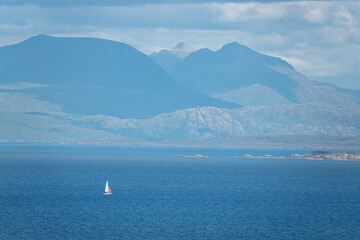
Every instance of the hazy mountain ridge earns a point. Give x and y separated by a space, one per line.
353 94
232 67
19 102
95 76
236 73
24 118
60 97
309 92
210 122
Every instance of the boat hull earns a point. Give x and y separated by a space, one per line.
107 193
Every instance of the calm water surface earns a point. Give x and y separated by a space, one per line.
55 192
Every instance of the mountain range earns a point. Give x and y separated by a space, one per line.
95 76
75 90
240 75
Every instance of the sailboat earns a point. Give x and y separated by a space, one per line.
107 188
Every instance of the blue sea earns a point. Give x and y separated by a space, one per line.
56 192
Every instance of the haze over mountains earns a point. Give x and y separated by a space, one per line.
96 76
93 90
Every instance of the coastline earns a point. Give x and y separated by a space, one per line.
316 155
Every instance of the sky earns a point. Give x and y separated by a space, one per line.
321 39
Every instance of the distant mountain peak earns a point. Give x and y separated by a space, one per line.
235 46
182 50
167 59
233 67
40 36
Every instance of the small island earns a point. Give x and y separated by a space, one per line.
196 155
316 155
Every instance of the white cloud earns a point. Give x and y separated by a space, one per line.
315 15
235 12
322 62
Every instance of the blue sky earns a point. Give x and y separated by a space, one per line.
320 38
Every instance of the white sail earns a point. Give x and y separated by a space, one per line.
107 186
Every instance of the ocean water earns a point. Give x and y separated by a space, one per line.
56 192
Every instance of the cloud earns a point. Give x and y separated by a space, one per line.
235 12
21 85
67 3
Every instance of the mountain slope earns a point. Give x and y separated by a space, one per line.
211 122
235 71
232 67
95 76
353 94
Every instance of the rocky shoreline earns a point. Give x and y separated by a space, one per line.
316 155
